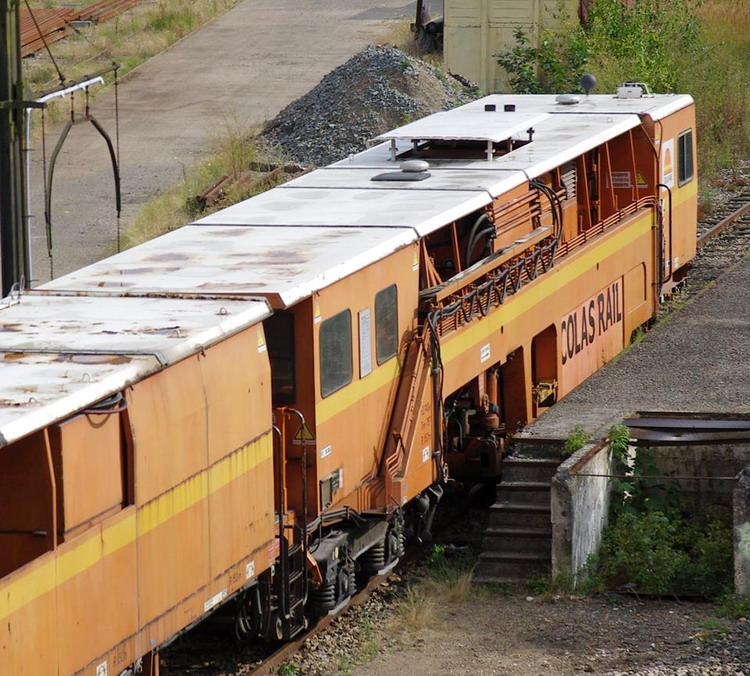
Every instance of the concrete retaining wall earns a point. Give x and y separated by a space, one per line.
580 501
580 505
714 467
742 533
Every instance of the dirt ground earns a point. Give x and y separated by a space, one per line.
511 635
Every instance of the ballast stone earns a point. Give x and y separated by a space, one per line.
376 90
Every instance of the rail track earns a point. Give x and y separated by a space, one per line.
208 649
723 241
43 26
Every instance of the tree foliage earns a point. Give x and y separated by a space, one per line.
645 41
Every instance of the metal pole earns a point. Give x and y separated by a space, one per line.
14 244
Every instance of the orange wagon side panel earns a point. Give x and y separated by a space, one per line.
546 300
28 624
352 422
679 231
88 459
167 413
172 550
236 379
96 577
241 513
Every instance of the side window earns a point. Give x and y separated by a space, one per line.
386 323
685 151
335 352
279 330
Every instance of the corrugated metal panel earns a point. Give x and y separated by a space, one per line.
463 13
512 11
471 52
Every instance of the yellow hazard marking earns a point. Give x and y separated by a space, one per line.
640 180
304 434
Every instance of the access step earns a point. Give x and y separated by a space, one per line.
510 567
510 514
518 540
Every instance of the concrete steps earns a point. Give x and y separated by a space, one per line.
518 540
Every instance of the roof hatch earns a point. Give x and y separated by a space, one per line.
469 132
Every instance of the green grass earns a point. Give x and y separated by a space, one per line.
233 149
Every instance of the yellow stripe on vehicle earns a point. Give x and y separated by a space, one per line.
57 569
453 345
356 391
528 298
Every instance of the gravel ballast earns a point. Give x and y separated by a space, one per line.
373 92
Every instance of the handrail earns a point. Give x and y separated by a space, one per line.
462 298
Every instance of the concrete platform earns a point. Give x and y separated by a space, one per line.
697 360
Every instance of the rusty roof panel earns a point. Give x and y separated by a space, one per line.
290 263
60 354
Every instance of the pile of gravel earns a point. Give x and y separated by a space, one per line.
376 90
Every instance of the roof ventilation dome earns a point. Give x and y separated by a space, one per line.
415 166
411 170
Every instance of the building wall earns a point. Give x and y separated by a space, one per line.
476 30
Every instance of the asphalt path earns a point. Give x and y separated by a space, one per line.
243 67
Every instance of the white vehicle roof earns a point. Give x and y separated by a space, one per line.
284 264
296 239
60 354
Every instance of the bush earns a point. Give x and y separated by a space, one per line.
646 41
554 66
638 550
657 554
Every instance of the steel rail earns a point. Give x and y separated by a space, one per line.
271 663
722 225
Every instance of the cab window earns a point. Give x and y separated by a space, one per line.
335 352
685 154
386 323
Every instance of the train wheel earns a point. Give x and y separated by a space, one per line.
394 541
329 598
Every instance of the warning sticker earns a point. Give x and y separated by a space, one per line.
621 179
640 180
304 435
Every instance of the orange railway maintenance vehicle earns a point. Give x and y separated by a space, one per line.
260 407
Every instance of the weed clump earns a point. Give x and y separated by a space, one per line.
653 544
576 440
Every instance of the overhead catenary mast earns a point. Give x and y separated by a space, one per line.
14 240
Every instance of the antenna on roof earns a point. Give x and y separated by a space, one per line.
587 82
